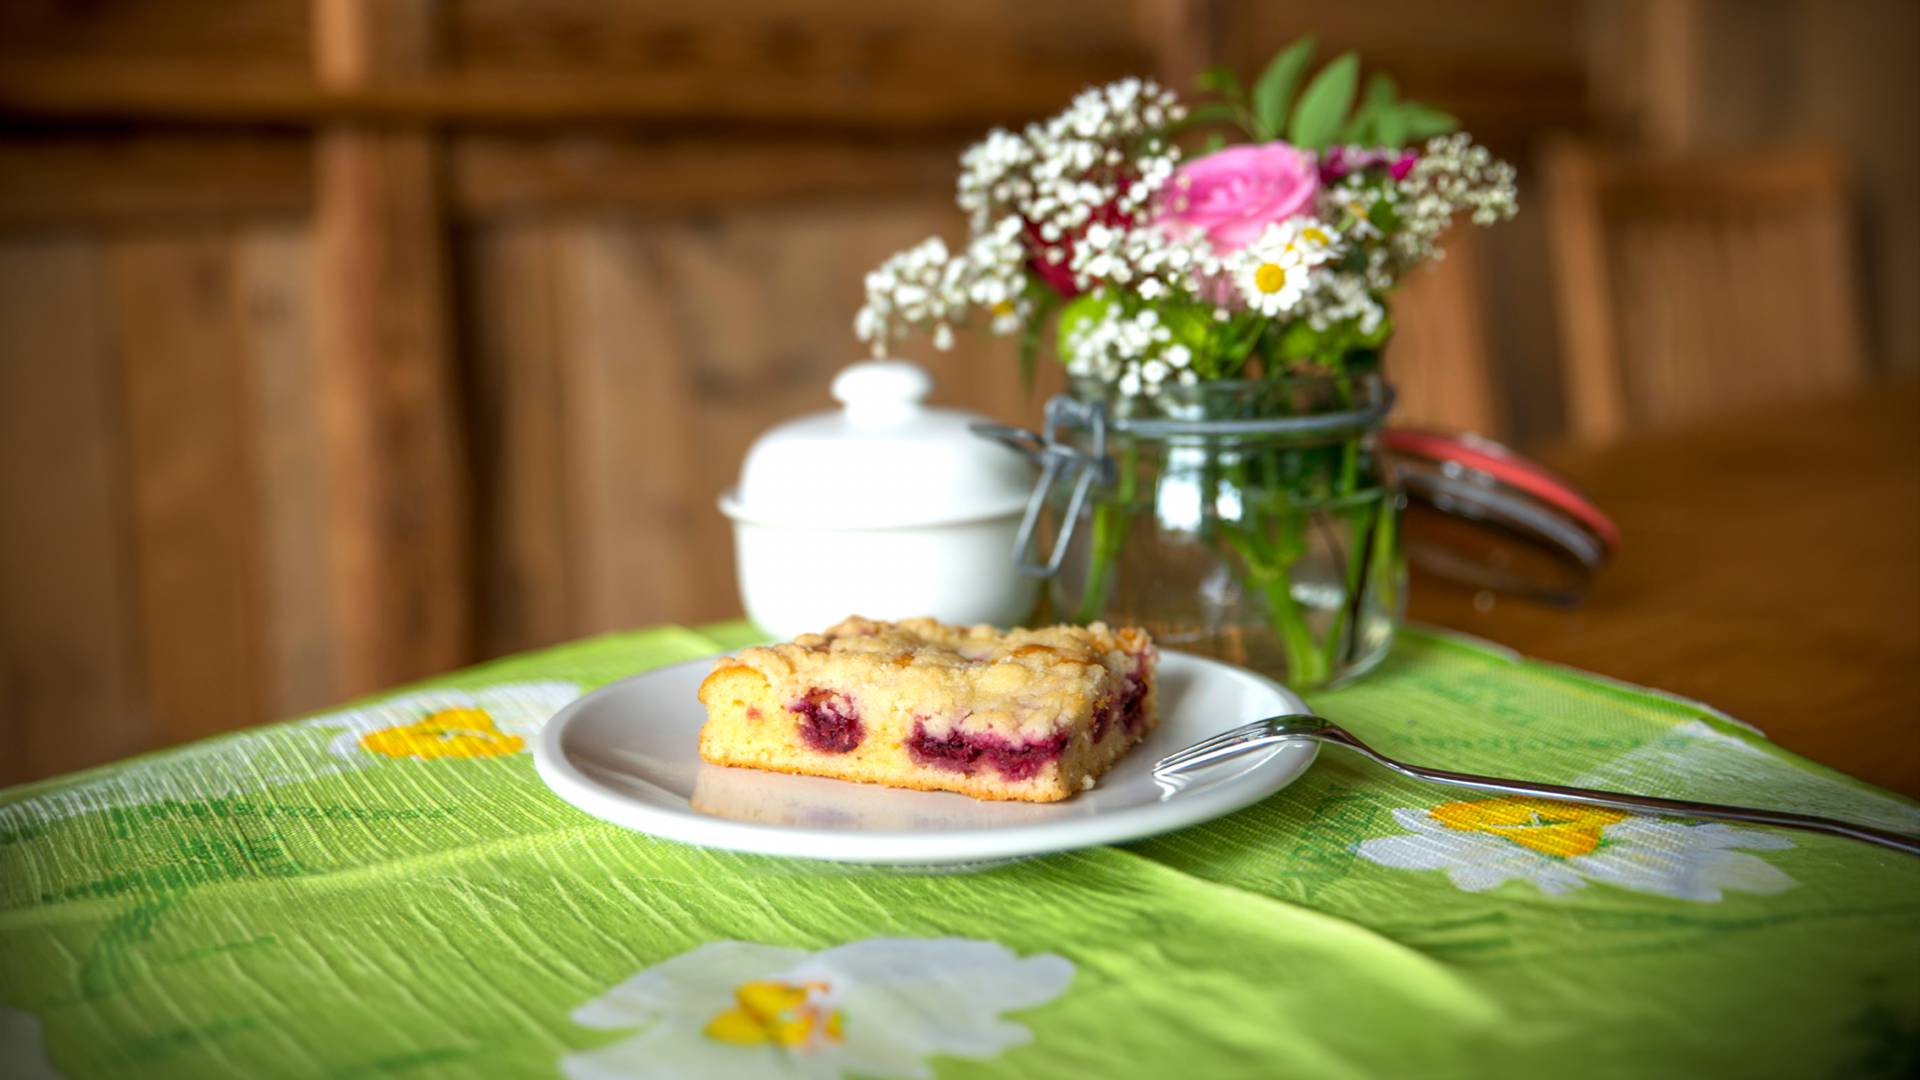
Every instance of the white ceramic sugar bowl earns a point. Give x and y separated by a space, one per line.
885 508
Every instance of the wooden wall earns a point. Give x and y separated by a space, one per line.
345 341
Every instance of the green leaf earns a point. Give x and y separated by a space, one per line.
1424 121
1273 91
1381 91
1360 130
1082 309
1324 104
1188 324
1222 81
1390 127
1364 128
1299 341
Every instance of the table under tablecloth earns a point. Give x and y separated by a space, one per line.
388 889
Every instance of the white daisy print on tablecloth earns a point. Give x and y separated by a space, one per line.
431 725
424 725
23 1047
1560 847
879 1007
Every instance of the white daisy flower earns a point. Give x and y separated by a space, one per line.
1273 273
879 1007
1560 847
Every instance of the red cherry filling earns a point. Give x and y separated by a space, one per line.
828 722
1133 706
964 752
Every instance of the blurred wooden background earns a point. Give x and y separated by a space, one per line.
346 341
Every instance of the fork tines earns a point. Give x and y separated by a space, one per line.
1206 748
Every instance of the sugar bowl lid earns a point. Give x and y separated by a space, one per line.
885 459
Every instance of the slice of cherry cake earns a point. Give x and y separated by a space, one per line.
1035 715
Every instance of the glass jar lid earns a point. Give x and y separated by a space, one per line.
885 459
1480 514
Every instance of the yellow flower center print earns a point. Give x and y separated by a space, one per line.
1542 825
764 1011
1270 277
459 732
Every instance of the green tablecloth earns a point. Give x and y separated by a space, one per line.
389 890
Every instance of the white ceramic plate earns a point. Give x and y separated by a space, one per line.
627 753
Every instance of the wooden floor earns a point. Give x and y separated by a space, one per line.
1770 568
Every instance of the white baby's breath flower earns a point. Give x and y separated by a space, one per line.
926 287
1452 176
1152 263
1131 351
1343 297
1105 154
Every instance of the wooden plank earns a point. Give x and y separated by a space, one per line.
139 178
400 531
530 581
194 493
644 534
961 90
1668 271
69 695
146 178
273 273
149 30
493 173
1185 36
1438 358
1596 400
857 41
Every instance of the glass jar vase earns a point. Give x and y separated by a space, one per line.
1251 521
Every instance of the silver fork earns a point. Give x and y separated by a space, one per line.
1275 729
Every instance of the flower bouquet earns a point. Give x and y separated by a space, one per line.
1221 317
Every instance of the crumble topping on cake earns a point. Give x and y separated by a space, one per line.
1015 684
1030 714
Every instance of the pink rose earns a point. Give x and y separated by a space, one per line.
1233 194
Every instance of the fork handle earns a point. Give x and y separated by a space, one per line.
1620 800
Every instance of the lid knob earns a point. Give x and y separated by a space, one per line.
879 392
